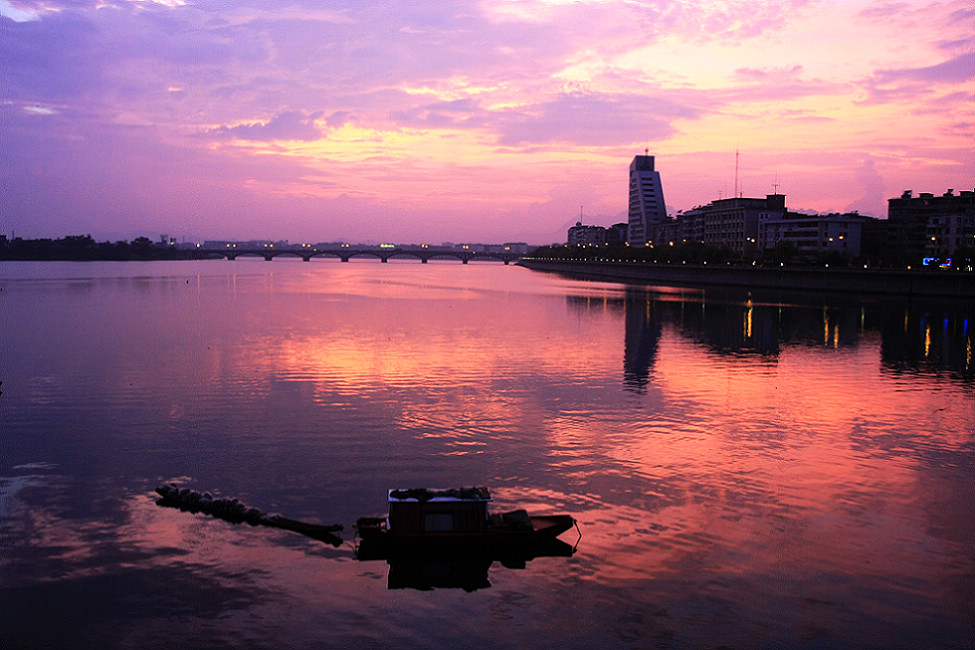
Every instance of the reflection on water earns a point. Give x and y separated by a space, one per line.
934 339
747 470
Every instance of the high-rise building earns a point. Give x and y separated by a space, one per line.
646 199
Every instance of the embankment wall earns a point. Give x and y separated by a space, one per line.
928 282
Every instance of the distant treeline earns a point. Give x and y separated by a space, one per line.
85 248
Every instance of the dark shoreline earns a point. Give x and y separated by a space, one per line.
928 283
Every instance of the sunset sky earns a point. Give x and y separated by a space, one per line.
488 121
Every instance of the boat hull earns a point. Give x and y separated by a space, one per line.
536 538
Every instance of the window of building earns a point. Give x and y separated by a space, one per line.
439 522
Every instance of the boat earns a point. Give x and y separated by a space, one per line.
423 519
431 539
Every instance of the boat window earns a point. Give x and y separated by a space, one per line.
438 522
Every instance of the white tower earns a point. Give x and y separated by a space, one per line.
646 199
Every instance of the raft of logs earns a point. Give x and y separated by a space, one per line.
236 512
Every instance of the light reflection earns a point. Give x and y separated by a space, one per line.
748 319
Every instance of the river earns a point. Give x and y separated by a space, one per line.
746 471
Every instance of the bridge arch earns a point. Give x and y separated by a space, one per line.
345 254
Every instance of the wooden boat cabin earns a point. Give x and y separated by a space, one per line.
436 513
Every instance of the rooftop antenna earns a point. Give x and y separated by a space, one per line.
646 151
736 171
775 184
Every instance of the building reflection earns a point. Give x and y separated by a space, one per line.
929 340
915 337
643 329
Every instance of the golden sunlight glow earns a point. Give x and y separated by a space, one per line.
823 106
360 162
454 88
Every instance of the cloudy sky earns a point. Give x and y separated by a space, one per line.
466 120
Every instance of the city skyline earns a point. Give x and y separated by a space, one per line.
473 121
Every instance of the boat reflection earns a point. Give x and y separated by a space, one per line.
449 538
460 568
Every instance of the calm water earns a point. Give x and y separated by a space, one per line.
747 472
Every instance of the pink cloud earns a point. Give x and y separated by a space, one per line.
874 189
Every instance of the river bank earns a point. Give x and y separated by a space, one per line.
927 283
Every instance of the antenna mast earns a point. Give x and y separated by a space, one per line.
736 171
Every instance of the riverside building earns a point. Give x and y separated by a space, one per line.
827 233
584 235
733 224
928 225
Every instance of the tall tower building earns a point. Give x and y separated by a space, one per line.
646 199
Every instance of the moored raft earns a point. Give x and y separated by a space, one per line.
232 510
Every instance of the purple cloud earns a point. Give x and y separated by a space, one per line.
338 119
761 85
769 74
236 64
290 125
461 113
959 44
570 118
588 119
884 10
54 60
956 70
891 85
963 16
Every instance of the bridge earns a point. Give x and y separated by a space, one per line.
423 253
